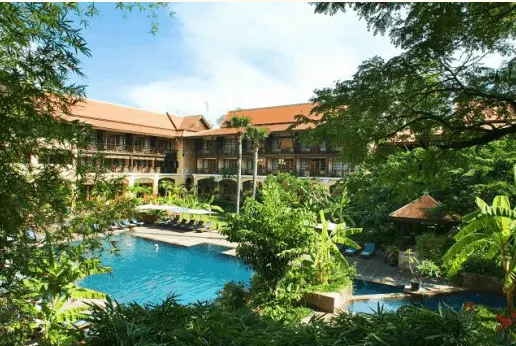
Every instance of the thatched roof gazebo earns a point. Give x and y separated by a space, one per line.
420 215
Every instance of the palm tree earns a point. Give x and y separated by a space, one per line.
256 135
240 123
493 226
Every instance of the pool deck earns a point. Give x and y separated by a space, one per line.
181 238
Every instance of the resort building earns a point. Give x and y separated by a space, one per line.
148 147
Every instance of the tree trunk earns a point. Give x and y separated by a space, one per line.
255 170
239 173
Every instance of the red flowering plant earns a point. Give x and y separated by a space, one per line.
506 328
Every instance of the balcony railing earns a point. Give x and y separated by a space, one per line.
329 173
128 149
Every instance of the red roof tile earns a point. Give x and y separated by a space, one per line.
272 115
417 210
225 131
125 119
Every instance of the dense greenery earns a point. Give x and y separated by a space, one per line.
492 226
216 324
379 188
276 237
40 51
440 83
430 246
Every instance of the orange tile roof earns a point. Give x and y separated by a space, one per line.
272 115
193 123
225 131
417 209
125 119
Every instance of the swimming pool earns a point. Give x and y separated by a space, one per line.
455 301
144 275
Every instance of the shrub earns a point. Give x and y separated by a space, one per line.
233 295
211 324
481 264
431 246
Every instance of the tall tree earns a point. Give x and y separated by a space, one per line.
241 124
441 83
256 135
41 45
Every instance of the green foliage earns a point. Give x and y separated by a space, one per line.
428 269
256 135
213 324
40 51
479 263
233 295
277 239
379 188
441 81
430 246
492 226
392 254
271 234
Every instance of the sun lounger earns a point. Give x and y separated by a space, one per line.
181 224
175 221
199 225
126 223
138 223
369 249
114 226
189 224
207 226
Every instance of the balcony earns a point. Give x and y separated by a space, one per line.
207 171
279 150
128 149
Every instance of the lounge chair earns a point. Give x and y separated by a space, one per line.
164 222
114 226
199 225
126 223
189 224
129 222
181 224
369 249
207 226
121 225
175 221
138 223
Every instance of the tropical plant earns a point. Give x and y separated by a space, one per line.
52 282
240 123
327 259
392 254
40 51
428 269
214 324
494 226
338 208
256 135
430 246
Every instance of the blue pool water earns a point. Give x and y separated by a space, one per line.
361 287
455 301
144 275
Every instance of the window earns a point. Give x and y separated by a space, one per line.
338 166
283 165
164 144
142 142
230 164
229 147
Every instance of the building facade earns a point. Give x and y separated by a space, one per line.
147 147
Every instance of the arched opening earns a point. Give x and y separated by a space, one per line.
227 189
143 187
189 183
165 186
207 186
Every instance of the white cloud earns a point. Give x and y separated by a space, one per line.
258 54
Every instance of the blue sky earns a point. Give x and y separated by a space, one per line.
229 55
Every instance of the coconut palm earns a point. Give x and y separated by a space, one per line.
493 226
256 135
240 123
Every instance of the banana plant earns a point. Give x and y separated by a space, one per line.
492 225
327 251
52 282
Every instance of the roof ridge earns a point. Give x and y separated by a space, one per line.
121 122
287 105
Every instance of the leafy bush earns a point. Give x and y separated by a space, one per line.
479 263
431 246
211 324
233 295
